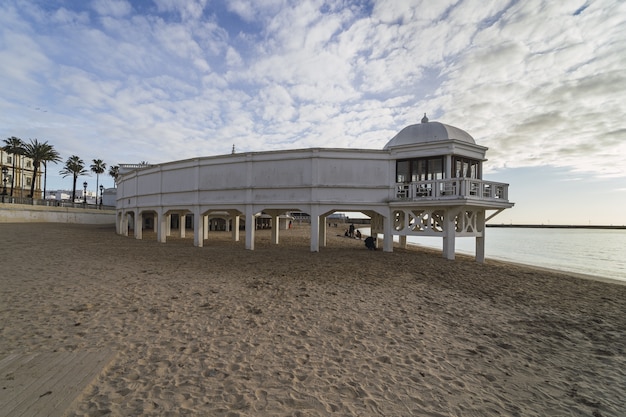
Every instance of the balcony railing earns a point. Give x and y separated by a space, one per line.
455 188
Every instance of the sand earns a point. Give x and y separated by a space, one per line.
281 331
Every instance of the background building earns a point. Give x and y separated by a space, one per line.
18 182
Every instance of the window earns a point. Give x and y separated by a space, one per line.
28 164
29 181
420 169
9 159
402 171
466 168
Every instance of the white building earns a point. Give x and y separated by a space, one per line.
426 181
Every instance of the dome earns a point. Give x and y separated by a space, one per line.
428 132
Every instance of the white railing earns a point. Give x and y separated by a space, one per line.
453 188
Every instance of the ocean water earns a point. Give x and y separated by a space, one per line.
595 252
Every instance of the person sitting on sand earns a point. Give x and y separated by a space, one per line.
358 234
370 243
346 234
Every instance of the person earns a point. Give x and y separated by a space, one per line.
370 243
358 234
347 233
351 230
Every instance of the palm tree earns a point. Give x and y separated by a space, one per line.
98 167
114 171
14 146
40 152
73 166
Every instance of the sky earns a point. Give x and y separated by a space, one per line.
542 84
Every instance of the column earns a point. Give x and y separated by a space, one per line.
250 226
387 231
449 234
162 221
235 231
480 239
205 227
124 225
315 229
198 228
322 231
403 242
182 219
275 227
139 226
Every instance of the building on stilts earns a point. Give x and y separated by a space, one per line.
426 181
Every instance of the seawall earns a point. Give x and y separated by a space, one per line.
23 213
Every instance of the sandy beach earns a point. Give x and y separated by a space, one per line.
281 331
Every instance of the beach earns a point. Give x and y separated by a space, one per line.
281 331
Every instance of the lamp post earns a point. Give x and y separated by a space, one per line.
85 193
5 172
101 191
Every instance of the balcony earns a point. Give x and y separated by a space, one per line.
452 189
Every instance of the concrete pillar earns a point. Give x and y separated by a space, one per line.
315 229
387 231
139 226
182 219
449 235
322 232
480 240
205 227
168 225
235 231
403 242
198 229
124 225
275 226
250 227
162 224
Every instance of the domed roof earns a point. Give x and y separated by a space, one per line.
428 132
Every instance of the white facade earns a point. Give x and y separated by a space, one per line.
433 201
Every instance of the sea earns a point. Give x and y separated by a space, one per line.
596 252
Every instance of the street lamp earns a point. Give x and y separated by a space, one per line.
85 192
101 191
5 172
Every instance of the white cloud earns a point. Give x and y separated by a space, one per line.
534 88
115 8
186 9
532 80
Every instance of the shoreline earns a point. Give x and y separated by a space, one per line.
572 274
581 275
557 226
599 278
224 331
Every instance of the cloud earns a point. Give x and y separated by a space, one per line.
186 9
536 88
539 82
115 8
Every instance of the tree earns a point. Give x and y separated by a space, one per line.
40 152
98 167
114 171
74 166
15 147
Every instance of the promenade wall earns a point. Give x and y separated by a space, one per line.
22 213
